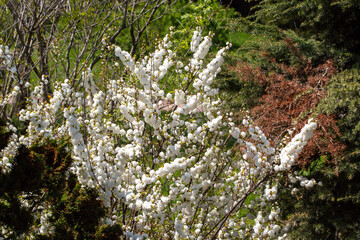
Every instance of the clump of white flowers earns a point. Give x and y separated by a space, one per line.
177 162
6 59
45 227
292 150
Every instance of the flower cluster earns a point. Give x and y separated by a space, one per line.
292 150
45 227
179 164
6 59
7 99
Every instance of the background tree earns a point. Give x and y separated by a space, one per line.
49 40
331 21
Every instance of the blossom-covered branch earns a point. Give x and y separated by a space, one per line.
172 156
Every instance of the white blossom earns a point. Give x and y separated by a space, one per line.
164 155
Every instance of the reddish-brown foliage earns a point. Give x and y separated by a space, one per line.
292 93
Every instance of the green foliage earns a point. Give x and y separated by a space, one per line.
239 93
4 135
13 215
330 211
331 21
25 174
106 232
208 14
37 171
343 100
270 40
187 15
40 177
77 214
238 38
314 166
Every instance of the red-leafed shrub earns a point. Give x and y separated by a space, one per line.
291 96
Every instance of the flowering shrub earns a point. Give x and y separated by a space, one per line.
167 163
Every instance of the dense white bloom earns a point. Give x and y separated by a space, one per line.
292 150
195 39
164 155
45 227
